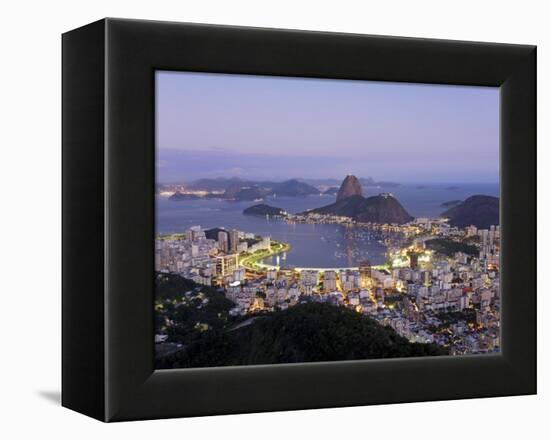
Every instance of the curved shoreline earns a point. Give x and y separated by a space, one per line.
253 263
321 269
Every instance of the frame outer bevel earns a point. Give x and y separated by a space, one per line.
83 103
133 51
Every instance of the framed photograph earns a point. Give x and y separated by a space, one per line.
262 219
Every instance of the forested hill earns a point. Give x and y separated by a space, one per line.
479 210
309 332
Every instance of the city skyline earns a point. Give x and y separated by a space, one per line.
221 125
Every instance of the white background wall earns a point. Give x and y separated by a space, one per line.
30 181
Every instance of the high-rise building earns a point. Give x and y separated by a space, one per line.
307 289
226 264
329 282
425 277
309 277
413 256
195 233
239 274
192 233
365 273
484 234
223 241
234 241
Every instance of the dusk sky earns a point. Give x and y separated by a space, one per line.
259 127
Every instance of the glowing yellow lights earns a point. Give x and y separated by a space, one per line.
201 326
399 261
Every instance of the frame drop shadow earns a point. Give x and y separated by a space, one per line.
52 396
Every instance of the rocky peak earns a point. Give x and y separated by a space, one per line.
350 187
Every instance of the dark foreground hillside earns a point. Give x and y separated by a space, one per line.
310 332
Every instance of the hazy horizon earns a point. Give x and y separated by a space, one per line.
320 180
278 128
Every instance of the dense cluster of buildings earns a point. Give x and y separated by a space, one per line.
425 296
207 261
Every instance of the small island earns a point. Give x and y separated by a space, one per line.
263 210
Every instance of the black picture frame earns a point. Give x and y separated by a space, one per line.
108 219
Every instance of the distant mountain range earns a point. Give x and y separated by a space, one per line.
219 184
479 210
365 181
247 193
237 189
332 191
293 188
223 183
179 196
